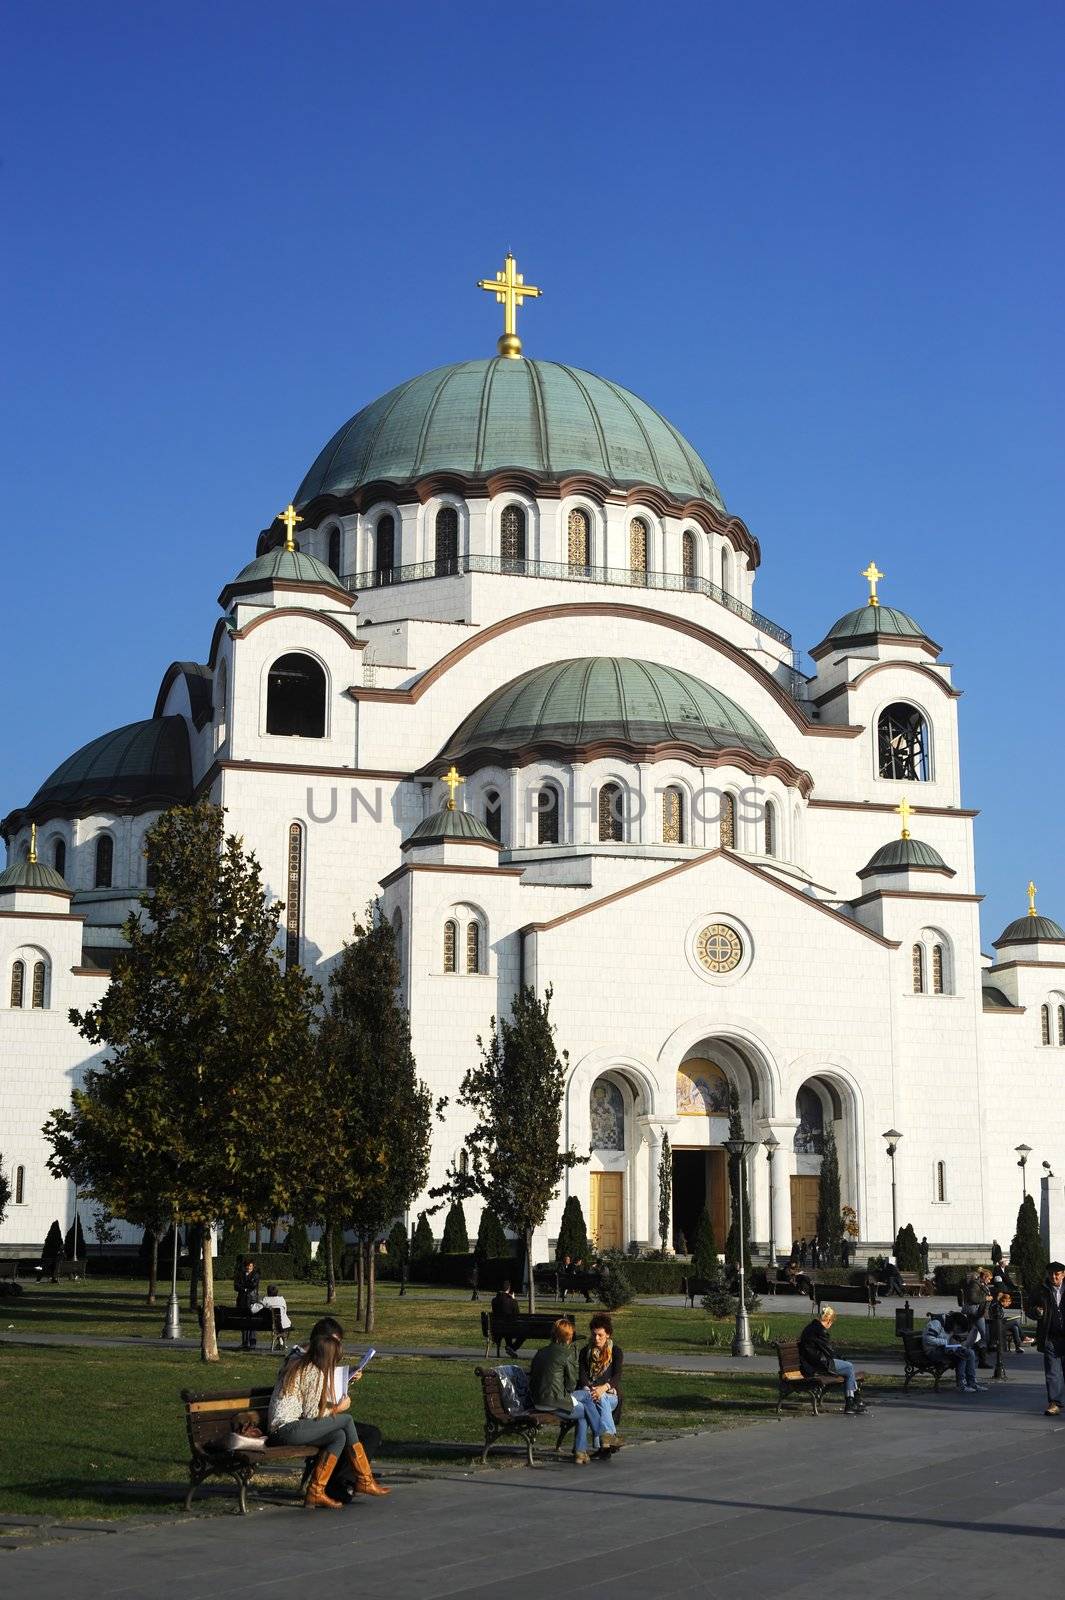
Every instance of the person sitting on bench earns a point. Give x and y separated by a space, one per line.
273 1301
553 1386
893 1283
504 1308
939 1340
599 1368
816 1356
304 1409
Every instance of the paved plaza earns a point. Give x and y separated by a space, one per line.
927 1493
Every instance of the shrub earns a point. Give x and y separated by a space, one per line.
422 1243
649 1276
456 1241
721 1302
68 1242
615 1286
52 1245
704 1252
1028 1258
298 1247
572 1233
492 1242
907 1249
397 1243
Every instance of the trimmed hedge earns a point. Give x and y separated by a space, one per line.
950 1279
455 1271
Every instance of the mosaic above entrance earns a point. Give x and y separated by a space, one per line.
702 1090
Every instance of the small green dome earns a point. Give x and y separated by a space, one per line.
142 761
595 700
33 875
899 854
479 417
867 622
1024 930
284 566
447 824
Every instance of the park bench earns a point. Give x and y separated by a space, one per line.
794 1381
227 1319
65 1269
916 1283
918 1362
553 1281
690 1287
209 1420
847 1294
781 1283
500 1424
526 1325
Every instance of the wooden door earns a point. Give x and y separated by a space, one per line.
606 1210
804 1192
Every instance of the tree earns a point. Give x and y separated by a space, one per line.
492 1242
572 1233
907 1249
1028 1257
665 1191
397 1243
208 1038
456 1241
298 1245
737 1174
74 1244
422 1243
515 1095
383 1109
829 1214
52 1249
704 1251
5 1190
104 1230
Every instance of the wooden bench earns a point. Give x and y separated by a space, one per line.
781 1283
526 1325
208 1421
499 1424
916 1283
794 1381
559 1284
847 1294
918 1362
65 1269
690 1287
227 1319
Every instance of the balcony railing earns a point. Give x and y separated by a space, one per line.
565 572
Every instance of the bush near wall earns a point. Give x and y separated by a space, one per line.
951 1278
455 1271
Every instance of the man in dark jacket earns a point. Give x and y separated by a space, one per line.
246 1284
816 1357
1049 1309
504 1309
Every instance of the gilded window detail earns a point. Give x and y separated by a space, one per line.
473 947
294 893
687 552
18 984
450 932
1061 1024
719 948
578 538
638 549
512 535
385 549
918 969
937 969
547 816
770 829
37 992
672 817
728 822
447 541
1044 1022
611 829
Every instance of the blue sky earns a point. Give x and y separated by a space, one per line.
826 240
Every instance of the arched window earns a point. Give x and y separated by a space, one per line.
493 814
334 550
221 691
464 1161
937 969
293 894
1061 1024
726 572
37 992
105 862
578 539
1044 1014
941 1181
385 549
611 819
547 815
728 822
638 550
447 541
770 823
59 856
20 1186
672 816
151 875
918 969
473 947
902 743
18 984
295 698
512 538
450 939
687 558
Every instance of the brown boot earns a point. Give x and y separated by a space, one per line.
365 1482
316 1495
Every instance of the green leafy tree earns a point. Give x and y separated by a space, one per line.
737 1174
422 1244
53 1247
829 1213
1028 1257
456 1241
103 1230
572 1233
515 1094
704 1251
492 1242
5 1190
207 1038
665 1191
907 1249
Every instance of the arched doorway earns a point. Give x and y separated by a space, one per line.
614 1103
700 1177
823 1103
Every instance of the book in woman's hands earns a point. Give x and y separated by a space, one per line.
344 1376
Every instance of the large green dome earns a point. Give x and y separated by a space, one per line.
601 704
141 763
479 417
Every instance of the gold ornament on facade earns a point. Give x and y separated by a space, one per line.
511 291
719 948
290 517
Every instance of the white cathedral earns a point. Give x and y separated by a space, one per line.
519 574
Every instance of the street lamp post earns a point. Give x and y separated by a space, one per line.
739 1150
172 1325
1022 1152
772 1145
892 1138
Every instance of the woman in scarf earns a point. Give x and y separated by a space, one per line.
599 1366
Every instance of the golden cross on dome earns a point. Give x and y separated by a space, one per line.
872 576
1031 898
905 811
452 779
510 290
290 518
33 841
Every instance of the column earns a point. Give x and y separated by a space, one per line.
783 1169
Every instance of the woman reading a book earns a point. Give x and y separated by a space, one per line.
305 1408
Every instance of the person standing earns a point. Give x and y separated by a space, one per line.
246 1284
803 1253
924 1254
1049 1310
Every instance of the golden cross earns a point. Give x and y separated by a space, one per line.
510 290
33 841
290 519
872 576
452 779
1031 899
905 811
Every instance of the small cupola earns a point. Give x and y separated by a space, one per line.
30 885
1032 937
874 626
284 567
904 863
449 835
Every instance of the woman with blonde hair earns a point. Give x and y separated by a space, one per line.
305 1409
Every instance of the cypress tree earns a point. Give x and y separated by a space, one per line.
737 1173
572 1233
704 1253
298 1245
829 1215
456 1241
492 1241
665 1191
422 1243
68 1242
907 1249
53 1246
1028 1258
398 1244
